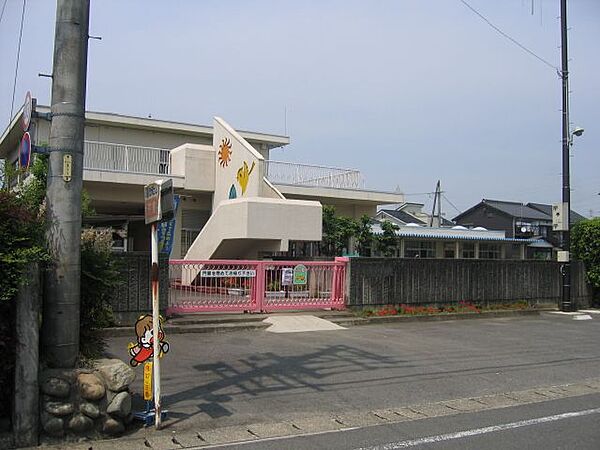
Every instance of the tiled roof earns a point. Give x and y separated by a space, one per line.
518 210
547 209
403 216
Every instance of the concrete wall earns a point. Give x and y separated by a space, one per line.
197 164
383 281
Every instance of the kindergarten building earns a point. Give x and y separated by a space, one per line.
234 201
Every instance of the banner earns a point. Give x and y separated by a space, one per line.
166 230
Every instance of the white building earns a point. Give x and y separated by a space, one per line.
235 201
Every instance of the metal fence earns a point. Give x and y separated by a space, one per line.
254 286
126 158
280 172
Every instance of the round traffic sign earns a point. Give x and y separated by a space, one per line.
27 111
25 151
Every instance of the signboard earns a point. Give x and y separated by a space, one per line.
158 201
25 151
166 231
27 112
152 203
287 276
240 273
167 201
300 274
148 381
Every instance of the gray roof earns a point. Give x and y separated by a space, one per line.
575 217
403 216
516 209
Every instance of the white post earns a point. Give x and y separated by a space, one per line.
155 326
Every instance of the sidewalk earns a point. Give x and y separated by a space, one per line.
226 322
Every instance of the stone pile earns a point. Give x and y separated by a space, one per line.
87 402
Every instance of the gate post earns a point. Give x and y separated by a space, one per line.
339 281
260 286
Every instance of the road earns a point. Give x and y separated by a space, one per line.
254 385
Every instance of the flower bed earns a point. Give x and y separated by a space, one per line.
460 307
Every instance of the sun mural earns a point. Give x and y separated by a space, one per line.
225 152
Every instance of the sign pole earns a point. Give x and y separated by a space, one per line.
155 327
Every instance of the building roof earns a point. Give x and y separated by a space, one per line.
454 234
402 216
513 209
13 132
547 209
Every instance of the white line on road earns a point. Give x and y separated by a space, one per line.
479 431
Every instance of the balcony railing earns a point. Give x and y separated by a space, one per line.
126 158
279 172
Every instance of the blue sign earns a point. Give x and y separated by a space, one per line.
166 230
25 151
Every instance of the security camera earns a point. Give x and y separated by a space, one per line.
578 131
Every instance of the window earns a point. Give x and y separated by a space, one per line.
467 250
419 249
449 249
489 251
187 239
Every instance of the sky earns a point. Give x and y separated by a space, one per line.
406 91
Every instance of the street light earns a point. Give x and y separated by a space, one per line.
577 131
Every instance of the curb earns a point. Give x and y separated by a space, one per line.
443 317
342 321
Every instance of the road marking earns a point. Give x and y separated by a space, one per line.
479 431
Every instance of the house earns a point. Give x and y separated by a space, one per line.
235 201
408 212
517 220
420 241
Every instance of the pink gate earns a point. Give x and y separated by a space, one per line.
255 286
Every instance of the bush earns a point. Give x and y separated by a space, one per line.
21 244
585 245
100 276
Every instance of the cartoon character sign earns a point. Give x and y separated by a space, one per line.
143 349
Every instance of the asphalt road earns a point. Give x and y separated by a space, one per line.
562 424
211 381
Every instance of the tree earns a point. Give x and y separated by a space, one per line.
337 231
364 235
585 245
387 241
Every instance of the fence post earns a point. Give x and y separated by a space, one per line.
26 406
260 286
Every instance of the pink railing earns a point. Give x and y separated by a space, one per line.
255 286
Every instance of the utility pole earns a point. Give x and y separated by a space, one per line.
60 327
566 304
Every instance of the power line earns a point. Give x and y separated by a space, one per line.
12 106
514 41
451 204
2 12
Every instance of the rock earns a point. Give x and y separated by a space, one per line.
112 426
58 408
54 426
90 410
80 423
116 374
90 387
120 405
56 387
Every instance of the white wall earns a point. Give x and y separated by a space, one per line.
239 168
